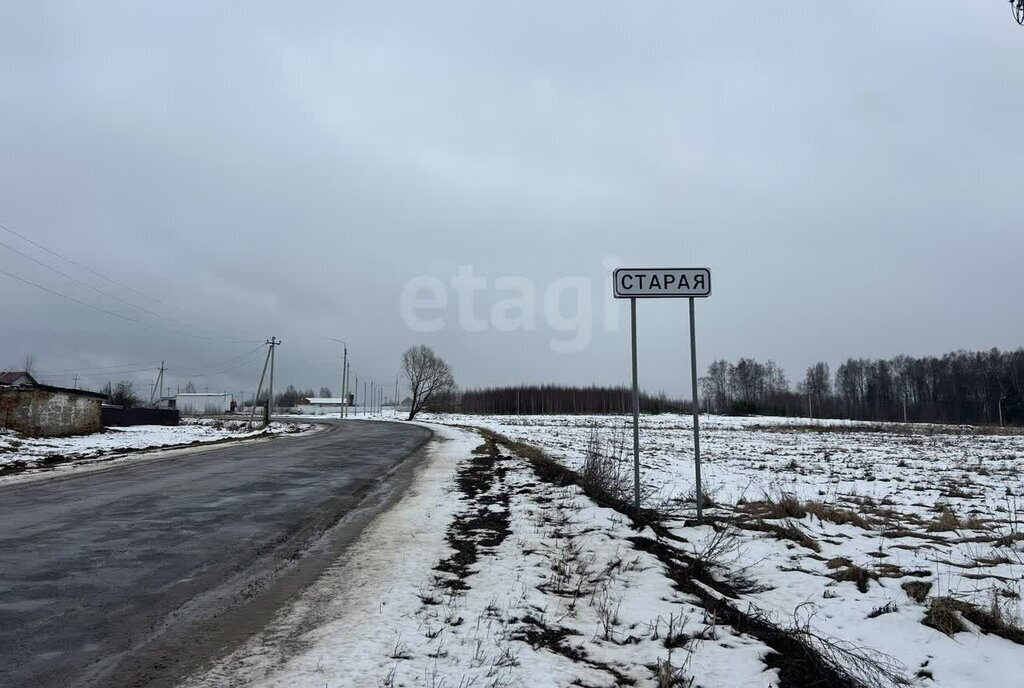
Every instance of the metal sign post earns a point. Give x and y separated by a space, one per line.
636 414
696 414
664 283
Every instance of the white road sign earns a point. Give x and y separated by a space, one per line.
663 283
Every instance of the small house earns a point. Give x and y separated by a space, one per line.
46 411
204 404
319 406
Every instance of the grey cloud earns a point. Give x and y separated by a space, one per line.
850 173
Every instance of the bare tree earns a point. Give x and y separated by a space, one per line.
817 385
716 385
124 394
430 379
325 393
190 388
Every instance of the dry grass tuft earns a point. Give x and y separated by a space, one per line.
605 471
790 532
944 616
917 590
788 506
854 574
837 515
785 506
1008 540
945 521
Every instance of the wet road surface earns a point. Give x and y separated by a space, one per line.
130 576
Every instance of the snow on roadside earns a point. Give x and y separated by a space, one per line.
18 452
485 575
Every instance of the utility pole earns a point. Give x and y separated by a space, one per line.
394 409
259 387
344 376
273 343
76 380
372 398
365 397
157 386
344 383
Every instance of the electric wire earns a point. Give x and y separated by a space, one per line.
173 321
101 276
73 299
121 316
106 367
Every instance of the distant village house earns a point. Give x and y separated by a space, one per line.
319 406
204 404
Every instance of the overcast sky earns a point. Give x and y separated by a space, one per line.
850 172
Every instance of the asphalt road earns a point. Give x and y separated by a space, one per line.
135 575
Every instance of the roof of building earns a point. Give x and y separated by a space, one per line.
28 389
323 401
10 377
204 394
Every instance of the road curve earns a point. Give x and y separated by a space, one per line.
133 575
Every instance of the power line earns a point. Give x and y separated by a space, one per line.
105 367
173 321
224 366
107 373
101 276
103 310
71 298
245 360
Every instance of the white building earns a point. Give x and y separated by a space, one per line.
204 404
319 406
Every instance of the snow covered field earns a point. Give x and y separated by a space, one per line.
838 554
19 453
862 530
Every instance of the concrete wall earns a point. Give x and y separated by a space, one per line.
44 413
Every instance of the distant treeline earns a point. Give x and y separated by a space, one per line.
958 387
545 399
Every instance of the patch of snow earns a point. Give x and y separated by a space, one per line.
27 452
554 591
